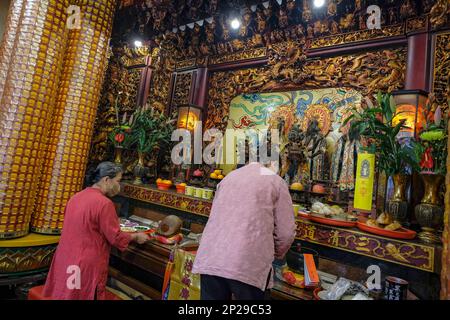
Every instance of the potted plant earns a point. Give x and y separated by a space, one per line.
378 127
150 130
430 148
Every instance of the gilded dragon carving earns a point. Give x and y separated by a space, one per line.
288 68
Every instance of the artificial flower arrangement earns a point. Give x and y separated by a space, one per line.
430 146
120 135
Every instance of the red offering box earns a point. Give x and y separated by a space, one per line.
333 222
401 233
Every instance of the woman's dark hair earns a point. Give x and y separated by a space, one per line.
104 169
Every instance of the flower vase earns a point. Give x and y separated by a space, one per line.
140 169
118 155
398 205
430 212
152 172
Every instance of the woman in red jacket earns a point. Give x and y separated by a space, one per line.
79 268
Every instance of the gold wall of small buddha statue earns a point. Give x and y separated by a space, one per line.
50 81
31 55
67 149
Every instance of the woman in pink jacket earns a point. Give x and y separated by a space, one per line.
251 224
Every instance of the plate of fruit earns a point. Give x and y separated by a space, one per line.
163 184
217 175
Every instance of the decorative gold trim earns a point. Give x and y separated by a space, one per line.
134 57
416 24
386 244
14 260
441 81
256 53
168 199
46 230
30 240
11 235
186 64
358 36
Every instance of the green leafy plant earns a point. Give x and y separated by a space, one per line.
377 125
430 146
150 128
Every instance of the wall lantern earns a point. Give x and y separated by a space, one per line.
188 116
410 106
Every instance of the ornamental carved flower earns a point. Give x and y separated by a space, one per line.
188 265
186 280
184 293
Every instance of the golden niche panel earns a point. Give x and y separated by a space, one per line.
70 138
37 37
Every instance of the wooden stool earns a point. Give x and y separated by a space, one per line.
35 293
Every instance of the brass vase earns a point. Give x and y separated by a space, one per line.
430 212
398 205
139 170
118 155
152 165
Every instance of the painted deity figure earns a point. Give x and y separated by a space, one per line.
316 147
293 156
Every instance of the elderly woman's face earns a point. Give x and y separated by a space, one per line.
113 185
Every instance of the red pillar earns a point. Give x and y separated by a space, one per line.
419 62
200 88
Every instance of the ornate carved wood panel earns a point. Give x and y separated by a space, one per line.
441 82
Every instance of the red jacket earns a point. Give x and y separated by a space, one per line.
80 263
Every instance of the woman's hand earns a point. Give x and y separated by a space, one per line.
140 237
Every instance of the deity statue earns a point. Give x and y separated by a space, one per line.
210 31
293 155
307 13
261 23
342 167
213 4
392 15
246 21
292 12
195 39
332 8
316 147
283 18
407 10
362 22
225 29
310 31
334 27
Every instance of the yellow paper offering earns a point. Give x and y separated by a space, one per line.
364 181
